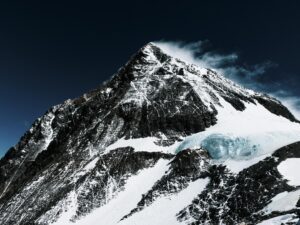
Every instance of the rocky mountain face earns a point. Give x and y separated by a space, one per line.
112 155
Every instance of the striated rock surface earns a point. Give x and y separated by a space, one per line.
64 170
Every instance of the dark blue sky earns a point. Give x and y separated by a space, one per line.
51 51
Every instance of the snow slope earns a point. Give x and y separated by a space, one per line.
167 207
283 202
239 139
290 169
279 220
112 213
242 138
183 124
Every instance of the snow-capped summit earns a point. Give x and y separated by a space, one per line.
163 142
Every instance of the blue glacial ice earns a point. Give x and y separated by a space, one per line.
222 146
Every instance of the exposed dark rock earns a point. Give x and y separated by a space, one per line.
234 199
188 165
153 95
276 108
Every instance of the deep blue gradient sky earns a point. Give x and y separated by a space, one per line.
51 51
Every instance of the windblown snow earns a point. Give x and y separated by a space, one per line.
239 139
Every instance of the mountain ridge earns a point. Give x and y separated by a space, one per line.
154 95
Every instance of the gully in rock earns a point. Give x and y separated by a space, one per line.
162 142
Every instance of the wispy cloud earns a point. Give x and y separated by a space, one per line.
230 66
196 53
226 64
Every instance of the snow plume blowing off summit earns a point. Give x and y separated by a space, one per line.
228 65
235 136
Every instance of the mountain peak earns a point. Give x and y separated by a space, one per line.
154 130
149 45
153 52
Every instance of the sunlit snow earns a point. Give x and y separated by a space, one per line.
242 138
288 218
124 202
169 205
147 144
283 202
290 170
238 140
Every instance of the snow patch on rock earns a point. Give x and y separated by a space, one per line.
147 144
283 202
279 220
290 170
